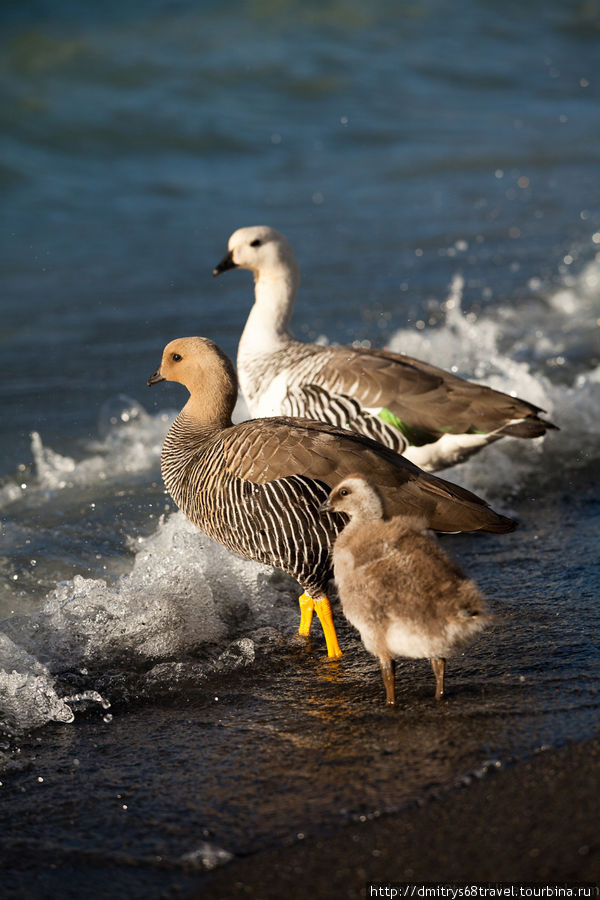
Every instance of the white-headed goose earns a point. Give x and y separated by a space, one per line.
434 418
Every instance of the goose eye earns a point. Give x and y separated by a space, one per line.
176 357
256 242
344 492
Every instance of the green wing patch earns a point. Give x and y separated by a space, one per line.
419 436
415 436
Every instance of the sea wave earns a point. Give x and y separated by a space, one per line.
129 441
188 607
545 352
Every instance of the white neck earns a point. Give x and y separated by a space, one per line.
267 328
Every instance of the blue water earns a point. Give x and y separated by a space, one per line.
435 169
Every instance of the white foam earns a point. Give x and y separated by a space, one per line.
183 592
206 856
27 695
490 349
129 442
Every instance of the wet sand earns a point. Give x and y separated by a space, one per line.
125 808
533 821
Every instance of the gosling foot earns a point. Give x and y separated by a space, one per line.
439 668
388 673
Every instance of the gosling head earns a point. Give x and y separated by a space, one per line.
261 249
355 497
207 373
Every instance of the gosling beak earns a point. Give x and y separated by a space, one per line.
325 507
226 263
154 379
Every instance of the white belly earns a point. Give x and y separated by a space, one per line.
269 402
404 639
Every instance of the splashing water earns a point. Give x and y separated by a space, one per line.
182 592
470 346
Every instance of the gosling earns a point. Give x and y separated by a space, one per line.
396 586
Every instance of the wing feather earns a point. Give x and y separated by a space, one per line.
267 450
422 396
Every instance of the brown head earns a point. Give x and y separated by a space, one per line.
207 373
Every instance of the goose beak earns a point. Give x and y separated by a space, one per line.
325 507
226 263
154 379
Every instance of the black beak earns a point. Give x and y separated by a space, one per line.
226 263
325 507
154 379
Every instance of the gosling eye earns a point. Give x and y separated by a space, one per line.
256 242
176 357
344 492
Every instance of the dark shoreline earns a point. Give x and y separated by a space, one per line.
535 821
114 809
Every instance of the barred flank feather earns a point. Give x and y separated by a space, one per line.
276 522
314 402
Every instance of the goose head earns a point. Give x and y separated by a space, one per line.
208 374
355 497
261 249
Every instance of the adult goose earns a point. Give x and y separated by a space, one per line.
434 418
257 487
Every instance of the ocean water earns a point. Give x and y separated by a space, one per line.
437 178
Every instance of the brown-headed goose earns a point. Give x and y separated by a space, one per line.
434 418
257 487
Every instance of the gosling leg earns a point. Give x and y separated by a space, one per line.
439 668
323 610
307 607
388 673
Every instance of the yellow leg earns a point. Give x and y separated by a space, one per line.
323 608
307 607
